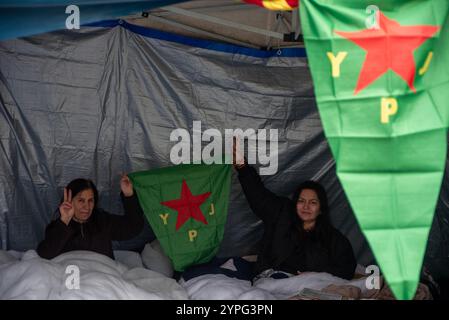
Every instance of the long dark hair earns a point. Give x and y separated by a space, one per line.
78 185
322 223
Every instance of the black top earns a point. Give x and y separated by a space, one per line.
282 249
96 234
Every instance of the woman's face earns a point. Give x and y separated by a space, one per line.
308 205
83 203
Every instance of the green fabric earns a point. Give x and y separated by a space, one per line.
392 168
186 205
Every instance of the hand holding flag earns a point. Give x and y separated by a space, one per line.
126 185
238 159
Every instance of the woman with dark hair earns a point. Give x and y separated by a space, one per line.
83 226
298 236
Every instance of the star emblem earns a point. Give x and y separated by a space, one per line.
390 47
188 206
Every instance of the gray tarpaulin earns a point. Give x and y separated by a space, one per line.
100 101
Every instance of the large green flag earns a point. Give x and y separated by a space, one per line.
381 77
186 205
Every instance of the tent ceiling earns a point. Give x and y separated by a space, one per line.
228 21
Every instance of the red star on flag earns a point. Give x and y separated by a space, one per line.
391 46
188 206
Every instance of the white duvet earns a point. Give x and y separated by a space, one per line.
27 276
31 277
221 287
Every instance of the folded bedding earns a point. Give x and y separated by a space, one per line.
82 275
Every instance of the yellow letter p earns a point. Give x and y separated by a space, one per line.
192 235
389 107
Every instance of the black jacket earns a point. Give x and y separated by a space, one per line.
281 237
94 235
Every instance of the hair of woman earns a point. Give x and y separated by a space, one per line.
322 223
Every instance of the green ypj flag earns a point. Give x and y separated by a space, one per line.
381 76
187 206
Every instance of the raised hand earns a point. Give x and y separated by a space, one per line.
237 158
66 208
126 185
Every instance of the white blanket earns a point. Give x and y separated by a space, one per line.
288 287
221 287
100 277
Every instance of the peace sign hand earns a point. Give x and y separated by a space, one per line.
66 208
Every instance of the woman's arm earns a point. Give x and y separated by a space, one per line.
264 203
57 234
131 223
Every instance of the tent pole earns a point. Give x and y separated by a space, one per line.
223 22
203 32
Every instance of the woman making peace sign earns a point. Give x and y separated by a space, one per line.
83 226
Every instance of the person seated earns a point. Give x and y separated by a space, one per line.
84 226
298 235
